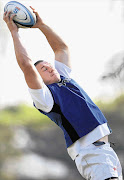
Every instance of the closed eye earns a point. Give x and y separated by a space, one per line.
44 68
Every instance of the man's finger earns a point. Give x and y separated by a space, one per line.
34 11
32 8
8 14
4 15
12 16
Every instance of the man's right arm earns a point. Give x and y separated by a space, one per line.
32 77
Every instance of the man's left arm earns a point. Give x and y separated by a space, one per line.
63 56
59 47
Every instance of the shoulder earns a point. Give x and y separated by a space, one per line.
63 69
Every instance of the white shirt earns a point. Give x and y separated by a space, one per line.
43 100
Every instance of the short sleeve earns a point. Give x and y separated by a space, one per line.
63 69
42 98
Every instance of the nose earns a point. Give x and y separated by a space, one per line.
50 69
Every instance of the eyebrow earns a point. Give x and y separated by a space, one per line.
42 66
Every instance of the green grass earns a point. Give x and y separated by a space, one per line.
22 115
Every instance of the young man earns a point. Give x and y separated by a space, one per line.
59 97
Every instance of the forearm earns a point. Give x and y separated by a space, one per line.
20 52
56 43
54 40
32 77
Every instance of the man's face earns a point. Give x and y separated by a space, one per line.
48 73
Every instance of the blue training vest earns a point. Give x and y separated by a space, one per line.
73 111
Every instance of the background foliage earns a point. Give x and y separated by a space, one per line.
45 134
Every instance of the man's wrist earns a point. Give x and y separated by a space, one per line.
14 32
42 26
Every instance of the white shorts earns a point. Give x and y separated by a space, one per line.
98 163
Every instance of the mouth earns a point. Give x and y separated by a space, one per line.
53 74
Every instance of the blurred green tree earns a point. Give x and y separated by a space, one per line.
115 71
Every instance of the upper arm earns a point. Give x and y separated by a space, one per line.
32 77
62 56
42 98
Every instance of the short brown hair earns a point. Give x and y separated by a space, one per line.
38 62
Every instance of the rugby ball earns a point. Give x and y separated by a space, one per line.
24 14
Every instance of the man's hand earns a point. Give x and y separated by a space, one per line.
39 21
8 18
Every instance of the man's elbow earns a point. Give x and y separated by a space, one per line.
64 47
61 47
